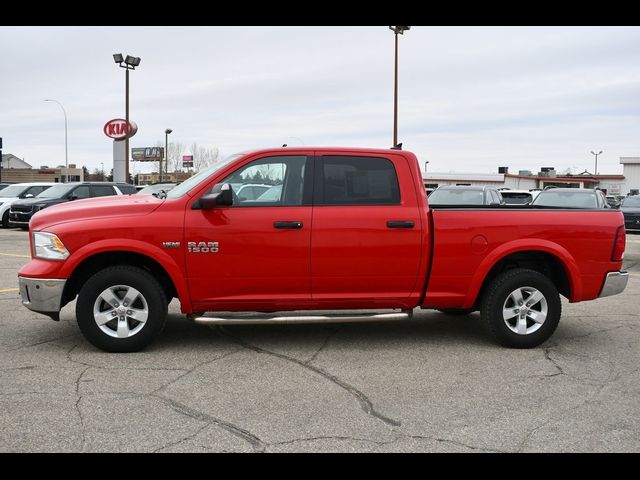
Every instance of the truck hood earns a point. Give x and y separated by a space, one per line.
90 208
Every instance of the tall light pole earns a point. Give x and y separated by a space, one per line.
166 152
66 154
596 154
397 31
102 171
130 63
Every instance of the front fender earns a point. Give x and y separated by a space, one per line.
133 246
526 245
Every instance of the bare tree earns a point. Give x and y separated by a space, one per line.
203 156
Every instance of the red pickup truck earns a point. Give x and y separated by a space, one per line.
337 230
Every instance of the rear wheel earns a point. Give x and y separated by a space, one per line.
121 309
521 308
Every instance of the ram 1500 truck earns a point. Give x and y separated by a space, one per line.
338 230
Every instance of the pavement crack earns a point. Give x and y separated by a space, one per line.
77 407
182 440
547 355
41 343
323 346
257 444
192 369
365 404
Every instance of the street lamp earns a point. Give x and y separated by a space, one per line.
130 63
166 152
596 154
397 31
66 155
102 171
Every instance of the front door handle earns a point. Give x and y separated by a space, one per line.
291 225
400 224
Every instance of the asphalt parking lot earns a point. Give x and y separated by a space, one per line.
433 384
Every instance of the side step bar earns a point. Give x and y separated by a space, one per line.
292 319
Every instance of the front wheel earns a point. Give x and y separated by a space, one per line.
521 308
121 309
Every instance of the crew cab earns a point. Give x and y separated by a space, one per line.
347 229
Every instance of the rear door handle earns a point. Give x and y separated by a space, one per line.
292 225
400 224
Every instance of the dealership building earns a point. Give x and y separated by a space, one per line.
628 182
16 170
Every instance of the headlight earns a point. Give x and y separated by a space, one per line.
37 207
49 246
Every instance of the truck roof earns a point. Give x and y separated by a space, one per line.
325 149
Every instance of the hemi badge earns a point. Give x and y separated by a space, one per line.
171 244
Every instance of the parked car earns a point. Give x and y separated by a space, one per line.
251 191
156 188
612 200
357 232
571 198
21 211
4 185
630 207
518 197
16 192
465 195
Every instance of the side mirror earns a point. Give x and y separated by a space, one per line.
221 196
29 195
73 197
494 204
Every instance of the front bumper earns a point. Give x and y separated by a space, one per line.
614 283
19 218
42 295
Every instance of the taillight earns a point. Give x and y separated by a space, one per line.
619 245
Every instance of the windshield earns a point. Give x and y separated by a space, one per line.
627 202
456 197
57 191
566 199
187 185
12 191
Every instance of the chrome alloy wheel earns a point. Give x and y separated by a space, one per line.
120 311
525 310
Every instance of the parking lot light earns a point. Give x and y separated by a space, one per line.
397 31
130 63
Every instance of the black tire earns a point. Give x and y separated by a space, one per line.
498 295
152 298
5 219
456 312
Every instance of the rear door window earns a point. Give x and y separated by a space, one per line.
345 180
102 190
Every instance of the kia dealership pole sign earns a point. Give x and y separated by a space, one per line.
119 130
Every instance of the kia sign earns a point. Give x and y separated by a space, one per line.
117 129
187 161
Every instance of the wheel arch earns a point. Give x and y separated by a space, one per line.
550 259
168 275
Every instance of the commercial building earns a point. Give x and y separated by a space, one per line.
628 182
151 178
16 170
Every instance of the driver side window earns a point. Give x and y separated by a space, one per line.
269 181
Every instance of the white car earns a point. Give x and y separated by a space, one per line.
19 191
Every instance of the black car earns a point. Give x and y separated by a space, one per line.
630 207
465 195
21 212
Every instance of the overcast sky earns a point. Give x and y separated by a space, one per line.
471 98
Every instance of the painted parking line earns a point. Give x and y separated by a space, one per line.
7 290
15 255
